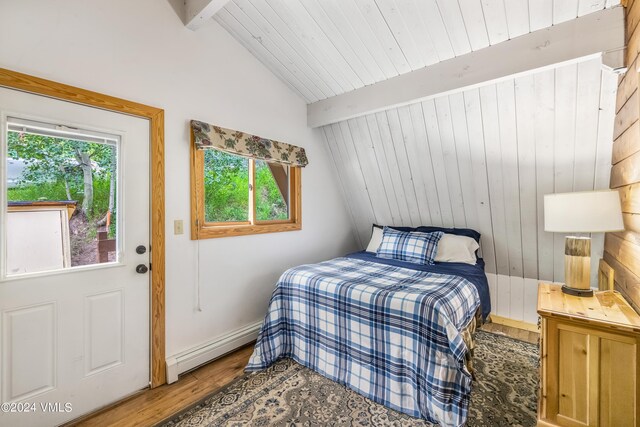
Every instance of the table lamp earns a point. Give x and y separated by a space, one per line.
581 212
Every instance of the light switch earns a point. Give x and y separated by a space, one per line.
178 226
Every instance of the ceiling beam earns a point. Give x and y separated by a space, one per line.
199 12
594 33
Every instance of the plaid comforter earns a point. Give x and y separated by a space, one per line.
389 333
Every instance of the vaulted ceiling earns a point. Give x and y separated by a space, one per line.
458 113
329 47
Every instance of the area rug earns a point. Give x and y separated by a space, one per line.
286 394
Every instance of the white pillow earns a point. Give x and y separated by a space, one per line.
376 239
453 248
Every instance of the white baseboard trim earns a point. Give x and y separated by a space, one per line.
194 357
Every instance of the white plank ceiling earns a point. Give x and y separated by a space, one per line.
483 159
323 48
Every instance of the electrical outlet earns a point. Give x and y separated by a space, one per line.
178 226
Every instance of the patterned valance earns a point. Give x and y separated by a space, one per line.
246 145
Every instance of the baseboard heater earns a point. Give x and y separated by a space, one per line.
194 357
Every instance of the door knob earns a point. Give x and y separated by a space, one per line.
141 249
141 269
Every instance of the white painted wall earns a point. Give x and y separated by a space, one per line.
141 51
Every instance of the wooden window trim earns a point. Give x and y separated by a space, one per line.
200 229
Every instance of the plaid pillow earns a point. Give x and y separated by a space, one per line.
415 247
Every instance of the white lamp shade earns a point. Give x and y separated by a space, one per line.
583 212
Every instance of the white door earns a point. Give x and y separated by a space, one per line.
75 337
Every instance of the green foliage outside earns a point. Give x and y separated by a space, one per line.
56 191
226 180
269 202
44 191
55 170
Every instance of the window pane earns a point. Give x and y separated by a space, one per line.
62 202
226 187
272 191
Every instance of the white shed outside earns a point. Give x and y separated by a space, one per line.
38 236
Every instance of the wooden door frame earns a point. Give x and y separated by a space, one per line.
26 83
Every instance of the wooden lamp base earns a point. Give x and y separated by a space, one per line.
577 266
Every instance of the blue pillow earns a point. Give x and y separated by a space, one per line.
457 231
415 247
430 229
395 227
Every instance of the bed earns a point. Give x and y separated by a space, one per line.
393 331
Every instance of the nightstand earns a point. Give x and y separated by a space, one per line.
590 359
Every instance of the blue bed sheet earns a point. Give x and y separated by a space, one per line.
473 273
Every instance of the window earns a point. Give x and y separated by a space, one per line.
235 195
62 197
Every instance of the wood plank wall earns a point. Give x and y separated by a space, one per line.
622 250
484 158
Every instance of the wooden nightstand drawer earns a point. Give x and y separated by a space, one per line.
589 360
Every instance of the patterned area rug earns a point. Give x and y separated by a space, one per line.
287 393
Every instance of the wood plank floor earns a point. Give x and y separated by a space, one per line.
519 334
150 407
